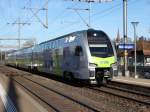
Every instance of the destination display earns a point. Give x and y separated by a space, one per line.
126 46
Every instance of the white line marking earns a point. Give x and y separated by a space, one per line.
9 106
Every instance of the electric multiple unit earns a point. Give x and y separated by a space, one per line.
86 55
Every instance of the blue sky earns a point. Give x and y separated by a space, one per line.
105 16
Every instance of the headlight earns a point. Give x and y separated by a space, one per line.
114 66
92 73
92 64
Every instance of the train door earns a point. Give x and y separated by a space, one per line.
80 63
50 60
65 63
56 57
78 58
47 60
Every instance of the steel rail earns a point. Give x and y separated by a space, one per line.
64 95
54 108
127 90
118 95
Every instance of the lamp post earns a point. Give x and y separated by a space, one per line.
1 56
126 72
135 38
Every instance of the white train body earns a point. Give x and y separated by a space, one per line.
83 55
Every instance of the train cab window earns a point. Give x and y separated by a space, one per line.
78 51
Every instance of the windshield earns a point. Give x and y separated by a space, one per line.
99 44
98 48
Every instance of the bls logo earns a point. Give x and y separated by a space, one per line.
104 62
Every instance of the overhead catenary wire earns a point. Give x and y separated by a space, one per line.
103 13
76 10
82 18
111 8
39 20
106 10
37 11
59 15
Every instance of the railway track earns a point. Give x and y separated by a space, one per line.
134 96
82 104
131 96
139 89
65 102
38 96
98 99
139 92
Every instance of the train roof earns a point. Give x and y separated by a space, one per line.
60 38
70 34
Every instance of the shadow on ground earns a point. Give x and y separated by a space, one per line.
13 96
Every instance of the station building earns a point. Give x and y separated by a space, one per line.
143 54
143 51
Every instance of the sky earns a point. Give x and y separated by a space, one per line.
63 20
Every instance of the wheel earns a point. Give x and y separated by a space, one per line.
99 78
105 81
68 76
35 70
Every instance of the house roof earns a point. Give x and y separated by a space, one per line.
146 52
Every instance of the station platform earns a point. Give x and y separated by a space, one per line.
134 81
14 98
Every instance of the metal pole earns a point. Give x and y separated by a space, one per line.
135 51
19 32
1 56
126 73
89 14
135 39
47 14
5 57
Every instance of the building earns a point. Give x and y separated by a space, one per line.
143 51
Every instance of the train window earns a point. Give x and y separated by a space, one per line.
52 45
56 43
66 52
96 37
78 51
47 46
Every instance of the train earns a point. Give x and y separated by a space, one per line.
86 55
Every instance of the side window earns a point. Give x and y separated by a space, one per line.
78 51
66 52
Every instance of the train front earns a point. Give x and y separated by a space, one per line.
102 62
